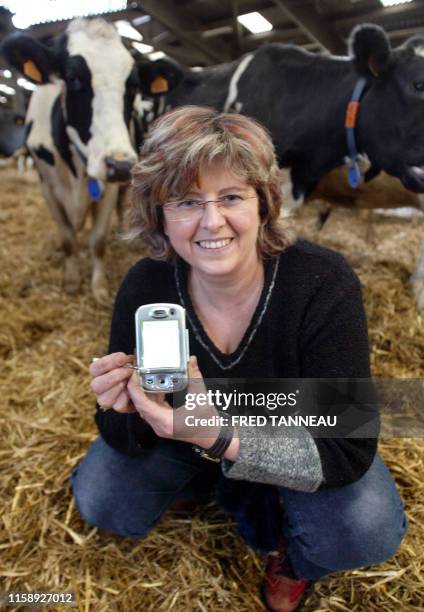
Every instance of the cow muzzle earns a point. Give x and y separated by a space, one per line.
118 170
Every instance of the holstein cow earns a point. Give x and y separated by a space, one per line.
78 130
321 109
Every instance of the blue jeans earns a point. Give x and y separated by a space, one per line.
327 531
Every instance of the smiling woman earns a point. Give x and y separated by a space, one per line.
259 305
178 152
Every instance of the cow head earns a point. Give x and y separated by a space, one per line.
391 118
156 80
99 80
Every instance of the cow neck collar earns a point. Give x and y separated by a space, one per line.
354 157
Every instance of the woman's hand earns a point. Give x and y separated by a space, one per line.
170 423
109 382
119 388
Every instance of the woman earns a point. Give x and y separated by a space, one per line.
259 304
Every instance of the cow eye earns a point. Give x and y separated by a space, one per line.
419 86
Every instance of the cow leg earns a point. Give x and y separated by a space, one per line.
417 282
101 213
370 230
72 277
123 197
323 217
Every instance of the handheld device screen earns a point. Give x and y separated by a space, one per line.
161 348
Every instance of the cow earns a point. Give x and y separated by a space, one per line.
12 132
305 100
302 99
77 121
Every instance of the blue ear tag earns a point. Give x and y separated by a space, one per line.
95 189
354 174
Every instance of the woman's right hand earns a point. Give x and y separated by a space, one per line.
109 381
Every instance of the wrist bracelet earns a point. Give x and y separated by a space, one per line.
218 448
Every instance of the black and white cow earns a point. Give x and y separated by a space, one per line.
302 99
78 130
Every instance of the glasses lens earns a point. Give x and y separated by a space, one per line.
193 209
180 211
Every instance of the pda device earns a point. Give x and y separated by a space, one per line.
162 348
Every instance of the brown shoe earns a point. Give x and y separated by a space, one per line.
282 591
184 506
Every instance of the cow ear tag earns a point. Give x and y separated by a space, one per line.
95 189
159 85
32 72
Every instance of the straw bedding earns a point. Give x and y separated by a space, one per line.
47 340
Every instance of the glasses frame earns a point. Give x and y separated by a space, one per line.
200 206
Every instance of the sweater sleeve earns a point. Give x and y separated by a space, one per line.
127 433
333 343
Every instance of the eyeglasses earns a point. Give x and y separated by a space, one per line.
191 209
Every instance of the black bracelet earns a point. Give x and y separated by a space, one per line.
218 448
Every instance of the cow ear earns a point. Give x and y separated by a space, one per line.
31 58
158 77
370 49
416 42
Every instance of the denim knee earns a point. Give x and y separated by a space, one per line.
377 537
99 509
128 495
353 526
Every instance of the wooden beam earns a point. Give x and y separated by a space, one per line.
313 24
185 28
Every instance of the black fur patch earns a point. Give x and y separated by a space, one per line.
19 48
79 94
60 137
42 153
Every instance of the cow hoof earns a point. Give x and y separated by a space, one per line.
99 285
101 295
72 287
72 280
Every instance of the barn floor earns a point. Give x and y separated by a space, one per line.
47 340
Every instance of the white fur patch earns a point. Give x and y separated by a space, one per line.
110 65
233 88
76 140
419 51
39 112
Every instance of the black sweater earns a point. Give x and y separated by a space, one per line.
309 323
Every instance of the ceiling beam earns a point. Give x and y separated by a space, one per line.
185 28
313 24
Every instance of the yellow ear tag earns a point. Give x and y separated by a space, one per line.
159 85
32 72
19 121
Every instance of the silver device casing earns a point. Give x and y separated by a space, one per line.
162 380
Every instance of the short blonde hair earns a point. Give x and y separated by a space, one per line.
187 139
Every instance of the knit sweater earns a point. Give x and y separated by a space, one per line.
309 323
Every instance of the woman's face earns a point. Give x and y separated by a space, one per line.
219 242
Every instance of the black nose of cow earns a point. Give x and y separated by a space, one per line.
118 169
